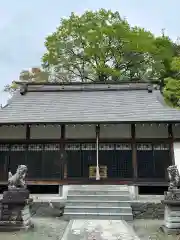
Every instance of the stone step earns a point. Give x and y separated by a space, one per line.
99 192
98 197
96 203
98 209
99 187
112 216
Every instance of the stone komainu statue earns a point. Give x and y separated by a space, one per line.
174 177
18 179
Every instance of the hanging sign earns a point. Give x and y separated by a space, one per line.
102 171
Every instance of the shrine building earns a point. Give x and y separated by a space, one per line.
89 133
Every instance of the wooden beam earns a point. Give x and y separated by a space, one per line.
28 132
135 81
134 152
92 140
63 131
64 164
94 122
171 138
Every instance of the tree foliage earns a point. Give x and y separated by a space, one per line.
172 84
32 75
100 46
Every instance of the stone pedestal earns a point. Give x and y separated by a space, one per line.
172 211
14 210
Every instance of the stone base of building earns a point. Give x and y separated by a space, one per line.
170 231
147 210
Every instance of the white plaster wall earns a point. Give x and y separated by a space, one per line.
115 131
65 191
48 132
80 131
12 132
177 154
151 131
176 131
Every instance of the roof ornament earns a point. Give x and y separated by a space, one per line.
23 89
150 88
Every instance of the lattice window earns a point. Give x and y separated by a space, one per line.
52 147
72 147
35 147
89 146
18 147
107 146
123 146
4 147
144 146
162 146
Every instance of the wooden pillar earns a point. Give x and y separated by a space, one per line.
63 129
63 134
171 138
28 137
134 152
28 132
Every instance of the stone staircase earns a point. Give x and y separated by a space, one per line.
98 202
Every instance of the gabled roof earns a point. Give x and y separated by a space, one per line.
87 104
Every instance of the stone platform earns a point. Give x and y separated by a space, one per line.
100 230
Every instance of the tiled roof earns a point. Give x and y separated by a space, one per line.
50 104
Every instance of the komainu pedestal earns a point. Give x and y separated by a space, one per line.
14 210
172 202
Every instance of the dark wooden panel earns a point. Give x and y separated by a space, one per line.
17 156
34 161
51 162
145 160
162 159
123 168
74 165
4 161
153 160
88 158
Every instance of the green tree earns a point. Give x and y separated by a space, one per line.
32 75
100 46
171 90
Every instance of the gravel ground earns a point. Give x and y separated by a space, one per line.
149 230
45 229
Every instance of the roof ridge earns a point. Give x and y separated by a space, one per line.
80 83
88 88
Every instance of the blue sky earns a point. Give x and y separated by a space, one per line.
25 24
